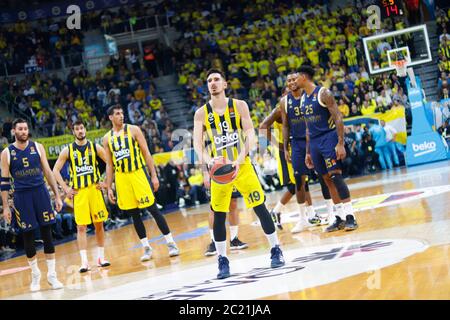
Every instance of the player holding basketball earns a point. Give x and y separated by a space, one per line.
88 203
230 129
127 152
25 161
235 243
294 145
325 144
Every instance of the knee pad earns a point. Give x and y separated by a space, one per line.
323 185
28 243
265 218
291 188
46 234
341 186
220 232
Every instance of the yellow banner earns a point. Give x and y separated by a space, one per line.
164 157
54 145
394 117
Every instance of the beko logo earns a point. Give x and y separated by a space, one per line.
424 148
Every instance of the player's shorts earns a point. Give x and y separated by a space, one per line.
133 190
285 171
246 183
298 155
89 206
33 208
323 152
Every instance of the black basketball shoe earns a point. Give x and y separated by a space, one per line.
350 223
338 224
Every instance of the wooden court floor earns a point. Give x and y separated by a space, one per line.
400 251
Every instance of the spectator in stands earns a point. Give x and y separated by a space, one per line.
196 190
370 157
343 108
444 129
351 162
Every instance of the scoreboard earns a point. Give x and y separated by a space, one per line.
391 8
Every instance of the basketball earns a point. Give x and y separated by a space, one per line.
222 172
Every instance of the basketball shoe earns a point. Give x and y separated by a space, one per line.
224 268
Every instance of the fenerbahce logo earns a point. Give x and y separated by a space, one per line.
252 277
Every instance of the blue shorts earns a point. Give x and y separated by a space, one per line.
33 208
323 152
298 155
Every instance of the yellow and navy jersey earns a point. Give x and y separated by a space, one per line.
126 153
224 132
83 165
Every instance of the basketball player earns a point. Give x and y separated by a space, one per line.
285 171
230 129
88 203
294 138
126 150
25 161
325 144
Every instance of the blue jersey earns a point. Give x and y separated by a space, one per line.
295 117
317 116
25 167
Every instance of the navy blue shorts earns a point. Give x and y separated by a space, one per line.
33 208
298 155
323 153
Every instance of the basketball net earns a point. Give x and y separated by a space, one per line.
401 67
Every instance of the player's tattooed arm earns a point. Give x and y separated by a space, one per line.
328 99
5 192
308 159
286 130
48 173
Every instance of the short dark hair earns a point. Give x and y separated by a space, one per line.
78 122
211 71
111 109
307 69
19 120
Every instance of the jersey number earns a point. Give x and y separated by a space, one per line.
143 201
25 162
254 197
224 126
48 216
297 111
308 109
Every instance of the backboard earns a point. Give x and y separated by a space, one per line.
411 44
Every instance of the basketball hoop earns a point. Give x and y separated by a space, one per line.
400 66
